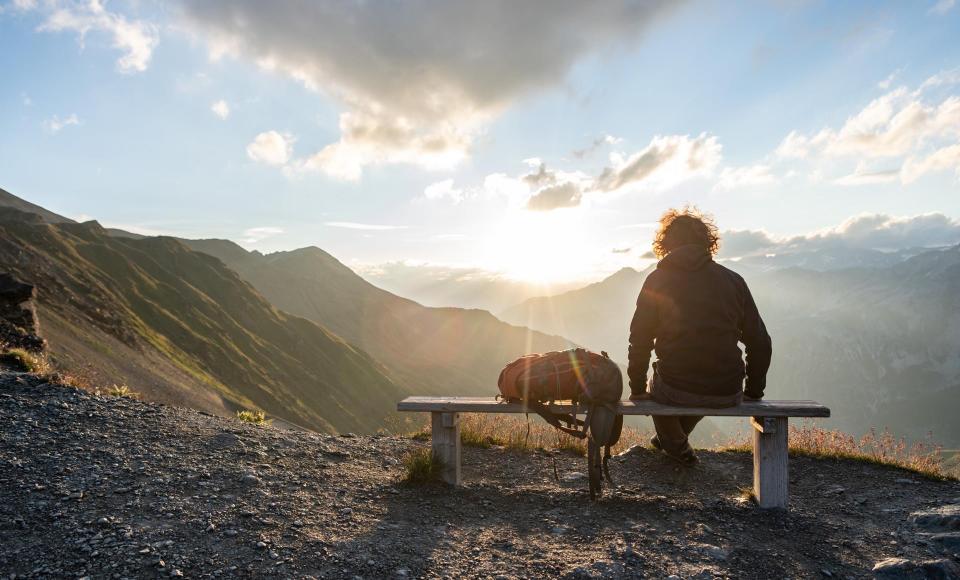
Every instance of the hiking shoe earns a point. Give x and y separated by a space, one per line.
655 443
686 458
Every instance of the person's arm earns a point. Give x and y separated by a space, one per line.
759 348
643 330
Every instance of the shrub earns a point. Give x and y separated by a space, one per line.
254 417
421 466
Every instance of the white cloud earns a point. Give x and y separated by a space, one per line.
257 234
941 159
865 231
864 175
911 130
443 189
360 226
221 109
942 7
746 176
667 161
271 148
135 38
419 80
555 196
55 124
664 163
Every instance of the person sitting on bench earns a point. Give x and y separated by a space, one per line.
693 312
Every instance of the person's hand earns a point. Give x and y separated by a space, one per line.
639 396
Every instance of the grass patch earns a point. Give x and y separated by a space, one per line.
522 434
421 466
26 361
122 391
253 417
922 458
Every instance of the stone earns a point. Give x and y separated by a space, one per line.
224 441
949 541
890 567
716 553
942 519
903 569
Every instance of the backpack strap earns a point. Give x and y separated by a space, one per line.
556 419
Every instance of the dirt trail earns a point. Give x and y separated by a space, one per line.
109 487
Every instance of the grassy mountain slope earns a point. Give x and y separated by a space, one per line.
429 350
183 325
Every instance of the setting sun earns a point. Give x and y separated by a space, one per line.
541 247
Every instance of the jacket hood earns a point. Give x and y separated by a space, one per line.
690 257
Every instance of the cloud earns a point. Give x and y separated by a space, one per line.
941 159
55 124
735 243
863 175
418 80
27 101
666 162
747 176
271 148
221 109
595 145
254 235
359 226
865 231
942 7
560 195
911 129
443 189
134 38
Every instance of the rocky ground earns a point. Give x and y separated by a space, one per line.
105 487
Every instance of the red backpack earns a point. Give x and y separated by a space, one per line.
582 377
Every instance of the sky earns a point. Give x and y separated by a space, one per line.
540 140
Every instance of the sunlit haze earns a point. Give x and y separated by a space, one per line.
536 141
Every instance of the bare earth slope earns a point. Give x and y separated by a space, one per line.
179 326
108 487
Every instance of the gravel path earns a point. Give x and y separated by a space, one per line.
116 488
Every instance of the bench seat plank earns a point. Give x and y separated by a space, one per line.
491 405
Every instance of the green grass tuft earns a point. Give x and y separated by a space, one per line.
421 466
253 417
122 391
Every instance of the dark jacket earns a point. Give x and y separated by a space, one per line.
694 312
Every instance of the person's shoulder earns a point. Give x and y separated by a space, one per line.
735 276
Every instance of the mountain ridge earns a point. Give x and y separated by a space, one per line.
432 350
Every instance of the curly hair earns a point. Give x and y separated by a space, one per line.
680 227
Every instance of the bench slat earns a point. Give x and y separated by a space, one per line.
492 405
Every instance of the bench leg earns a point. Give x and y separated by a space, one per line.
446 445
770 458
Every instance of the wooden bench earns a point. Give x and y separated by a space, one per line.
768 418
